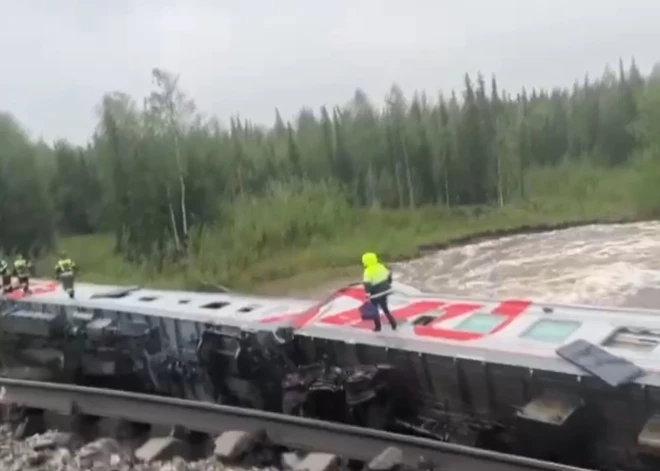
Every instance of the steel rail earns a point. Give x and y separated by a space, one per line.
289 431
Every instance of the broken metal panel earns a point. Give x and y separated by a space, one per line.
363 383
552 408
649 437
553 426
610 368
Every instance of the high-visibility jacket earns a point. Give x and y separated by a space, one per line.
377 278
21 267
65 265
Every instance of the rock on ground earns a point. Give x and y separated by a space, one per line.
55 451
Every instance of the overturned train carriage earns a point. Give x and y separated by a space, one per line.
572 384
203 357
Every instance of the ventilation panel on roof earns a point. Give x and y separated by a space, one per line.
634 338
215 305
249 308
116 294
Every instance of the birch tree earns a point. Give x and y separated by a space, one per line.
173 109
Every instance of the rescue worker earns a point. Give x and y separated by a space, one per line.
5 273
22 272
377 281
65 272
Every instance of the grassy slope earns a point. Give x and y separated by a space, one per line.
565 194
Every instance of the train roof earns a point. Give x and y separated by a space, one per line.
213 308
515 332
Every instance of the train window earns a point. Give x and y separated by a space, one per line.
634 338
215 305
551 330
480 323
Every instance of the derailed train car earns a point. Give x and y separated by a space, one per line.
189 345
571 384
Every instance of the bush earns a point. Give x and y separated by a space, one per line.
289 217
301 235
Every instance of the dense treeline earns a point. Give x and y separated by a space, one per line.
166 180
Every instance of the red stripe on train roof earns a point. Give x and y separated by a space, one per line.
36 287
510 308
351 317
301 319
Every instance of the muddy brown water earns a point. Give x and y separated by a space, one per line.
615 264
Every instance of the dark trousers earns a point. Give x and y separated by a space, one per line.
24 281
381 304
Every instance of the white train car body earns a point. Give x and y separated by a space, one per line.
512 361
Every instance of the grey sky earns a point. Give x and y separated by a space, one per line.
59 56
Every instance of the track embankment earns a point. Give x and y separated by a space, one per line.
236 436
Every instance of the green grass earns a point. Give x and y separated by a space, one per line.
327 258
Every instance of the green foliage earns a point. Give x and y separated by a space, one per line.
165 193
285 218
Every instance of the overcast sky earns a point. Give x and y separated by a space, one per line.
57 57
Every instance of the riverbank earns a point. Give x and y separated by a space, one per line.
557 198
320 268
317 282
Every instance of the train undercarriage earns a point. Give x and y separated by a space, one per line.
578 420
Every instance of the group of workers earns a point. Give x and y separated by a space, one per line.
21 268
377 280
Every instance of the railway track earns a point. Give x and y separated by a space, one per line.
238 430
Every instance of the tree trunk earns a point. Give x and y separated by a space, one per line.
406 159
182 183
175 231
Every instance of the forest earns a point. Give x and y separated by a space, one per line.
164 194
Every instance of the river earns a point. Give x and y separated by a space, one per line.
599 264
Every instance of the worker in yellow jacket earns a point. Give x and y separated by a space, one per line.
377 281
65 270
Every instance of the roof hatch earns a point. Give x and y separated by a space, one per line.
215 305
115 294
612 369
